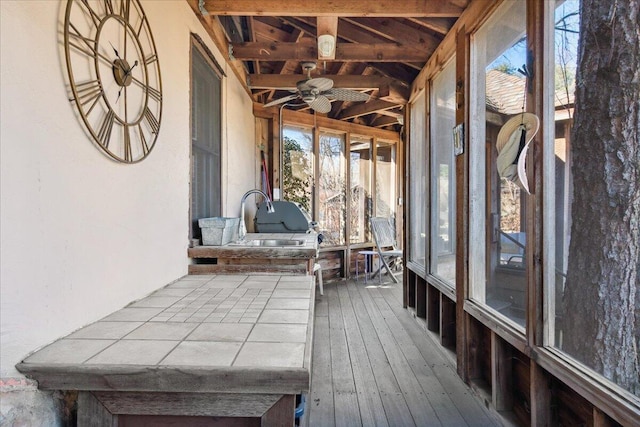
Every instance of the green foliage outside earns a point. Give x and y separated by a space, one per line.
297 174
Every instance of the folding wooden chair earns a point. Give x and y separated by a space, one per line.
384 236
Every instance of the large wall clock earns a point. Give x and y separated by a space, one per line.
114 74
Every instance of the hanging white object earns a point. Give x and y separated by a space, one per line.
326 46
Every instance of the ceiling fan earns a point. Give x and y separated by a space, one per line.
319 92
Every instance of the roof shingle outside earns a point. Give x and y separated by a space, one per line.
505 93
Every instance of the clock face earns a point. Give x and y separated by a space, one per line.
114 74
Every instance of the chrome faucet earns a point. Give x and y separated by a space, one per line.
242 228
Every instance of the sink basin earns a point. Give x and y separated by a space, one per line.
270 242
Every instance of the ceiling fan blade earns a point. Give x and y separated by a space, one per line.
346 95
320 83
321 104
281 100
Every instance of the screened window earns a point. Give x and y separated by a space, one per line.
332 188
442 183
360 150
385 179
498 238
567 17
297 177
417 182
341 179
206 194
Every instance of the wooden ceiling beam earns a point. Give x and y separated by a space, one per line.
218 37
357 34
274 51
288 81
395 113
301 25
261 92
252 35
370 107
268 32
471 18
295 35
348 31
399 32
397 71
415 65
439 25
406 8
232 27
382 121
318 120
346 52
327 25
395 93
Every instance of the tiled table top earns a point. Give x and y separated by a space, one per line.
221 331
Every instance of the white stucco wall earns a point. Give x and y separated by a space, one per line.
239 170
82 235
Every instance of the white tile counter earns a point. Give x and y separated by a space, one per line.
240 334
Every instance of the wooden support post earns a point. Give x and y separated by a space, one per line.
501 373
540 30
540 19
91 412
447 322
473 350
135 409
463 335
274 153
421 299
540 396
280 414
600 419
433 309
411 290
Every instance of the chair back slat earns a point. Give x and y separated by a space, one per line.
383 233
384 236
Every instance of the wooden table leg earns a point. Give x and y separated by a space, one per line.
282 413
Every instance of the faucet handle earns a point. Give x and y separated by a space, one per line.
270 207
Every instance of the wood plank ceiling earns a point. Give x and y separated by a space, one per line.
381 47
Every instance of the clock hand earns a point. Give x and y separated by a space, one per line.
128 72
114 49
131 68
119 92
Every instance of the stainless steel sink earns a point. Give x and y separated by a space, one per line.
270 242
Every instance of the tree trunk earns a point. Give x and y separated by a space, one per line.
602 296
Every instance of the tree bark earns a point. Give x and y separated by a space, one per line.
601 311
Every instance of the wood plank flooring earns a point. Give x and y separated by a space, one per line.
373 365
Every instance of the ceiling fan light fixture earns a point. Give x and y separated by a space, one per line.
326 45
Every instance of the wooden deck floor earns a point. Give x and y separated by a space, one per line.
373 365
